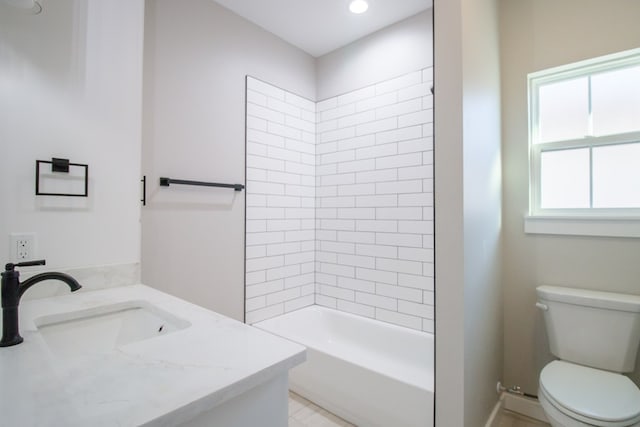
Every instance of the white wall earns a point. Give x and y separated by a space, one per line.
197 55
392 51
468 206
539 34
71 86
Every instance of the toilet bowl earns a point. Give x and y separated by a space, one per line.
578 396
595 336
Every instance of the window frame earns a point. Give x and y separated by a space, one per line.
572 71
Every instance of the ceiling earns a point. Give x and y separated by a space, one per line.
320 26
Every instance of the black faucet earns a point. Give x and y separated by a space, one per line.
12 290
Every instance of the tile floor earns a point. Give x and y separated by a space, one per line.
303 413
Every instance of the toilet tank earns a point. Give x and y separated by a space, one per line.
592 328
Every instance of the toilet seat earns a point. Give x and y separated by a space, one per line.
591 396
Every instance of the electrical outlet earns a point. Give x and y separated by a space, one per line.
23 246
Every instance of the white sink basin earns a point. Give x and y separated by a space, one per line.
106 328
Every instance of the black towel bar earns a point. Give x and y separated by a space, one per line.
165 182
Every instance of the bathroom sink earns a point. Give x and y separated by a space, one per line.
106 328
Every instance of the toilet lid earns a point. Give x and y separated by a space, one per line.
592 393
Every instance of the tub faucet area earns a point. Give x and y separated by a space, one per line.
12 291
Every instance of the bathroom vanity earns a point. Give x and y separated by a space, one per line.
132 355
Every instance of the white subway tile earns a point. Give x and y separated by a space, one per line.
427 185
322 127
416 91
404 81
260 213
282 272
256 98
427 242
299 258
324 170
427 269
257 187
330 190
308 159
356 284
254 174
415 145
427 213
357 142
417 118
299 190
399 187
301 124
283 107
399 239
309 181
256 225
399 161
356 166
283 224
377 151
376 126
338 270
338 156
254 135
298 303
282 248
416 281
397 135
415 172
264 313
256 200
410 213
428 297
282 178
327 104
416 254
354 308
427 129
356 237
377 101
264 288
357 260
417 227
415 309
264 263
327 147
264 162
397 265
282 154
328 257
253 304
254 110
286 295
377 176
387 200
300 169
428 325
326 213
336 112
338 202
338 224
356 213
389 277
335 292
326 301
307 246
265 88
256 251
419 199
356 189
401 108
377 251
299 213
400 319
256 123
356 119
301 146
283 202
356 95
255 277
299 236
326 279
340 247
427 157
399 292
427 74
427 102
282 130
377 225
377 300
298 101
308 224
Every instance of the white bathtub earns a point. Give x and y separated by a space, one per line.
368 372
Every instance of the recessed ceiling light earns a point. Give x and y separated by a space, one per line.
358 6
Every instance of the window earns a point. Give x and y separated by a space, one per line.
584 139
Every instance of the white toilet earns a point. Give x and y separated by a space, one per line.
596 336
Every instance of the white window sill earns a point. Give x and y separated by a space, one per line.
589 226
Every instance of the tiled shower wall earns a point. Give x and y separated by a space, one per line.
280 211
373 204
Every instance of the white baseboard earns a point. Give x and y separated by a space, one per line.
494 418
524 406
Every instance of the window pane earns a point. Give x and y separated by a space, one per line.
563 111
616 176
564 179
616 101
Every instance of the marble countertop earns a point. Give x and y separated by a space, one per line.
162 381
